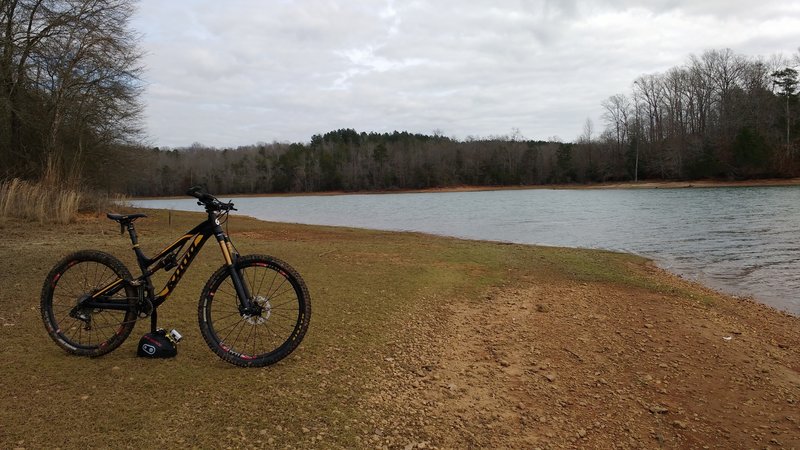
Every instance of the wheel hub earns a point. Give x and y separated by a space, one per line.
81 313
259 312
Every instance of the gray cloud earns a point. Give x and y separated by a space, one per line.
238 72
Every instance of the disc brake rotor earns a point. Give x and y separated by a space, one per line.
265 311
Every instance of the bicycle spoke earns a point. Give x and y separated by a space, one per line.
263 337
287 316
250 334
261 282
272 282
222 318
102 330
287 302
231 329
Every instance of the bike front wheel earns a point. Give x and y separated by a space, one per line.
80 330
264 337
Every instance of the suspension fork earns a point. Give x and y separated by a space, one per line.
242 291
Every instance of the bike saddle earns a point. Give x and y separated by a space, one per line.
125 218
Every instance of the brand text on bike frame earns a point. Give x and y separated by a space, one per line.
148 266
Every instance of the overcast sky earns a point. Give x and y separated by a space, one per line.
237 72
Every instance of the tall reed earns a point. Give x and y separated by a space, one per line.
43 202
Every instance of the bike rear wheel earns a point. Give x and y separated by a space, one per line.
86 331
255 340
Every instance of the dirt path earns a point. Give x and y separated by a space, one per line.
569 365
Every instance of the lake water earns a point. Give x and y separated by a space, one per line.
744 241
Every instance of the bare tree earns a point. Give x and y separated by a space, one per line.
617 108
786 82
69 77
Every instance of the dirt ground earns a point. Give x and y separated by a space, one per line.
416 342
590 365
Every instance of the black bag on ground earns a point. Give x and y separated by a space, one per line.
156 344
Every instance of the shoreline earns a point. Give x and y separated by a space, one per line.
694 184
770 294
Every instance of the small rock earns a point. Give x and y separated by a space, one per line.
581 433
551 377
679 424
657 409
504 363
542 308
648 325
305 430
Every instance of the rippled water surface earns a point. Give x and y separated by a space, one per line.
745 241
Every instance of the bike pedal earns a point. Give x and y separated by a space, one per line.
174 336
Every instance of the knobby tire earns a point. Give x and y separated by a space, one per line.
262 340
76 276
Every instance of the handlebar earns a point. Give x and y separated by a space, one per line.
207 200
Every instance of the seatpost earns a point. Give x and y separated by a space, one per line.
148 285
135 241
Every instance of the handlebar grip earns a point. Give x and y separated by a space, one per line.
195 191
198 193
208 200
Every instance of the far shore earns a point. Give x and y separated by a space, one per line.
770 182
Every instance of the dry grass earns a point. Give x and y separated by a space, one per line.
101 202
38 201
51 202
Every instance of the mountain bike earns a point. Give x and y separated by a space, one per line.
253 311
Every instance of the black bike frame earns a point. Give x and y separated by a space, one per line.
148 266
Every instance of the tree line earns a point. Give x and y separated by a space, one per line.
70 85
720 115
346 160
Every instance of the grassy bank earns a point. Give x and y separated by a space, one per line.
371 292
38 201
50 202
